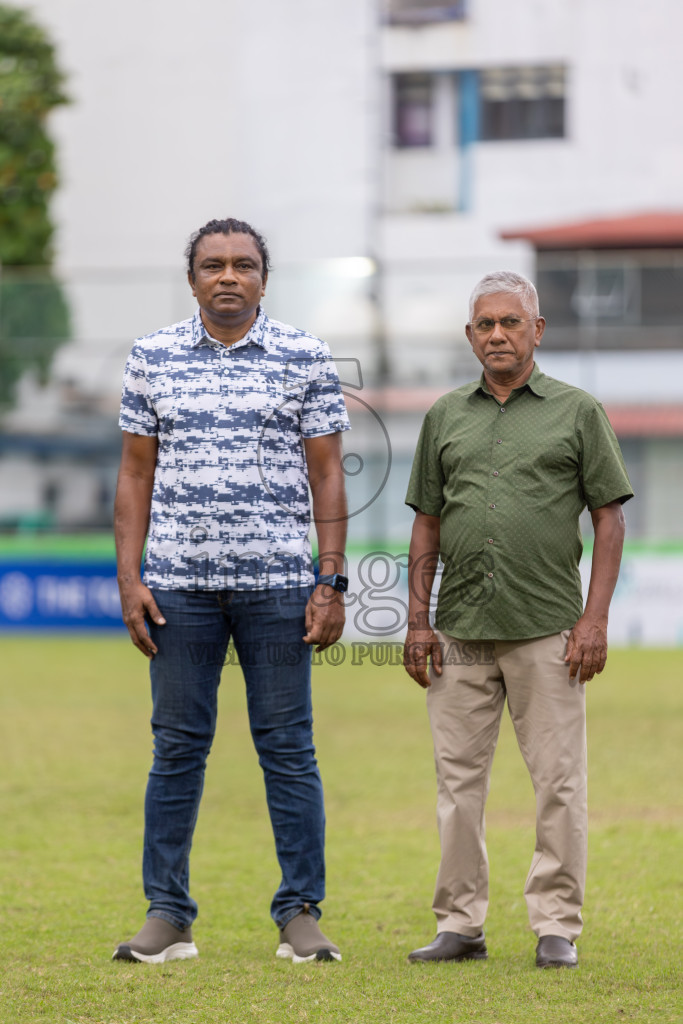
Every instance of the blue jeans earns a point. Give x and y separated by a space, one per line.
266 627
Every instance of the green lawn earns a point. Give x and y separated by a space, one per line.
74 752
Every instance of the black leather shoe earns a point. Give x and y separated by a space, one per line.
451 946
553 951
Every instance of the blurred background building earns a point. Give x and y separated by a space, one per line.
392 152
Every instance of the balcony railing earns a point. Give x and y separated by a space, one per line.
423 12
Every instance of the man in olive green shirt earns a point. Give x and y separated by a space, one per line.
503 469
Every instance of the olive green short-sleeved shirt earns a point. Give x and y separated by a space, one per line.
509 482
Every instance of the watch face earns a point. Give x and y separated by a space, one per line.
337 581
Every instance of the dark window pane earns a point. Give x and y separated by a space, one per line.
522 103
417 12
611 301
413 110
557 296
661 295
608 297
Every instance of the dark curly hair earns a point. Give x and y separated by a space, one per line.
229 226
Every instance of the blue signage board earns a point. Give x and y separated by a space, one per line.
58 595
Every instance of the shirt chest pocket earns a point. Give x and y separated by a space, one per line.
542 469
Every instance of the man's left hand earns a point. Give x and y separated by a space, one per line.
587 648
325 616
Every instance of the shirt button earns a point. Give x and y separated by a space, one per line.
490 575
490 540
499 441
502 408
495 472
492 506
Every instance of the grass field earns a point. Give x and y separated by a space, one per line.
74 753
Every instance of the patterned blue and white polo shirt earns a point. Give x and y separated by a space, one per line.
230 505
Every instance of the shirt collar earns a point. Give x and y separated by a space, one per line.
536 384
256 335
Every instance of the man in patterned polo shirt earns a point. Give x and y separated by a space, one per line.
227 419
503 469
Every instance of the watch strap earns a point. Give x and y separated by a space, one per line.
336 581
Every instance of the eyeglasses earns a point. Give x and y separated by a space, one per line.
508 323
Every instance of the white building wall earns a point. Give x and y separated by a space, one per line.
132 145
183 113
263 111
623 149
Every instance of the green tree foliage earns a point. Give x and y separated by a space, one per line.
34 317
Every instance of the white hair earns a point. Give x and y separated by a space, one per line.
506 281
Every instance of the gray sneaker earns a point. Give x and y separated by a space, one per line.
156 942
301 940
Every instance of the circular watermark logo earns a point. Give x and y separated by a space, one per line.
354 464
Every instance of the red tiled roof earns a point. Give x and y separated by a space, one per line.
646 420
638 231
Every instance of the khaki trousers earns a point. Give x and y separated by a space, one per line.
548 712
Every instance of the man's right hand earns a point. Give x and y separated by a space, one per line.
420 645
137 604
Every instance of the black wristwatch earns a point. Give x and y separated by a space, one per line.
337 582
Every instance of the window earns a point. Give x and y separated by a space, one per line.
661 293
419 12
619 300
413 110
522 103
558 285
